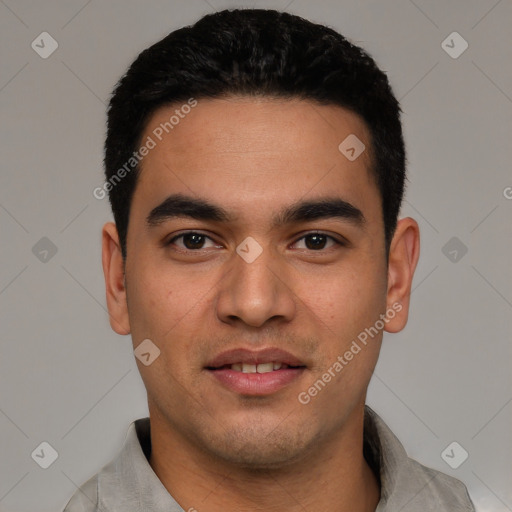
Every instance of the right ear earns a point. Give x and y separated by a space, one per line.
113 270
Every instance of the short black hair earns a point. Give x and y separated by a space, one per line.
254 52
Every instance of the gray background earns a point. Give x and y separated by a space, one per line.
67 379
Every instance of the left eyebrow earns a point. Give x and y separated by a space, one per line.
323 208
179 205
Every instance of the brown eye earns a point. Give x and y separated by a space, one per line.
190 241
318 241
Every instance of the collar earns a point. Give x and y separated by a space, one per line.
129 482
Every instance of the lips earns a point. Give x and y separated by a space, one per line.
255 373
246 356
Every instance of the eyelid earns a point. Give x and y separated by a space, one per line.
339 242
188 232
336 238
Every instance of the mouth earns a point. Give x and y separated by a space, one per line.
272 366
255 373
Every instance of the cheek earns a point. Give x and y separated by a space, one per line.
172 309
345 300
156 302
346 310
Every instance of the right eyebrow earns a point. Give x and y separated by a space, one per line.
179 205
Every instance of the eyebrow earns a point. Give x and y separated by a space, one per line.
179 205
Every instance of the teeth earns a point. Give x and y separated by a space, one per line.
248 368
253 368
265 367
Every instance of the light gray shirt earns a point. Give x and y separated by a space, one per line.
129 484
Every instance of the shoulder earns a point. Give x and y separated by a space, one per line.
436 490
114 484
407 485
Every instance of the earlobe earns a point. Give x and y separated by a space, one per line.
403 258
115 289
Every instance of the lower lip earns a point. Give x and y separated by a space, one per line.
256 384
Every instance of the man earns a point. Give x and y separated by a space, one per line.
255 165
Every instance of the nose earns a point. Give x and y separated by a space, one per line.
256 292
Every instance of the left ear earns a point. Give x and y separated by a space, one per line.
404 252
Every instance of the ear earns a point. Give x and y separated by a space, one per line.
113 270
404 252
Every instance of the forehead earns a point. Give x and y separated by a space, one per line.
264 150
261 124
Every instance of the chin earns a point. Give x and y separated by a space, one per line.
257 448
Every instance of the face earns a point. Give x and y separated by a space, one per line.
256 283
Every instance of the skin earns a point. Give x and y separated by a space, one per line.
214 449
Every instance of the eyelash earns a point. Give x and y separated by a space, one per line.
181 235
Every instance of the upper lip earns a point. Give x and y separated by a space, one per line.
248 356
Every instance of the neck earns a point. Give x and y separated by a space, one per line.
336 473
